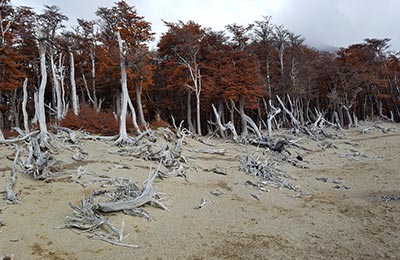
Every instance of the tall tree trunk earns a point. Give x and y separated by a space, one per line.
134 121
93 61
123 134
40 105
198 117
189 111
65 105
24 101
74 97
243 117
138 91
15 110
232 112
221 111
56 85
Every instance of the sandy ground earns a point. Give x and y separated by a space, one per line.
320 222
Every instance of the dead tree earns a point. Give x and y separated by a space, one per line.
39 104
24 101
222 128
123 137
74 97
295 123
271 115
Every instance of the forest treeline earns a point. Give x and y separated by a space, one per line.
99 70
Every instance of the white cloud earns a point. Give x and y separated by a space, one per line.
322 22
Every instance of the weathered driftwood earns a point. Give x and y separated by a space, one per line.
79 154
388 198
39 162
72 136
19 139
86 178
10 196
216 170
217 193
87 219
147 195
203 202
327 144
208 151
370 128
353 155
268 173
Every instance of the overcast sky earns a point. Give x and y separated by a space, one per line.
336 23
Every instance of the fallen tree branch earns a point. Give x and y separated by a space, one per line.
208 151
19 139
147 195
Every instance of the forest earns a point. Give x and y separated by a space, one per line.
101 75
247 143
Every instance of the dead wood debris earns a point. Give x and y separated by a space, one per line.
216 170
339 183
266 171
375 127
132 200
327 144
209 151
40 162
85 218
10 196
217 193
1 221
170 155
388 198
353 155
124 196
203 202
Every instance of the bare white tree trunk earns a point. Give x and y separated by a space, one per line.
62 87
198 117
221 128
74 98
243 120
138 91
348 115
123 134
87 90
189 111
295 122
24 101
56 84
134 120
40 113
232 112
195 75
271 116
93 61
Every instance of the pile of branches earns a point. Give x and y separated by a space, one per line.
266 171
122 196
32 159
